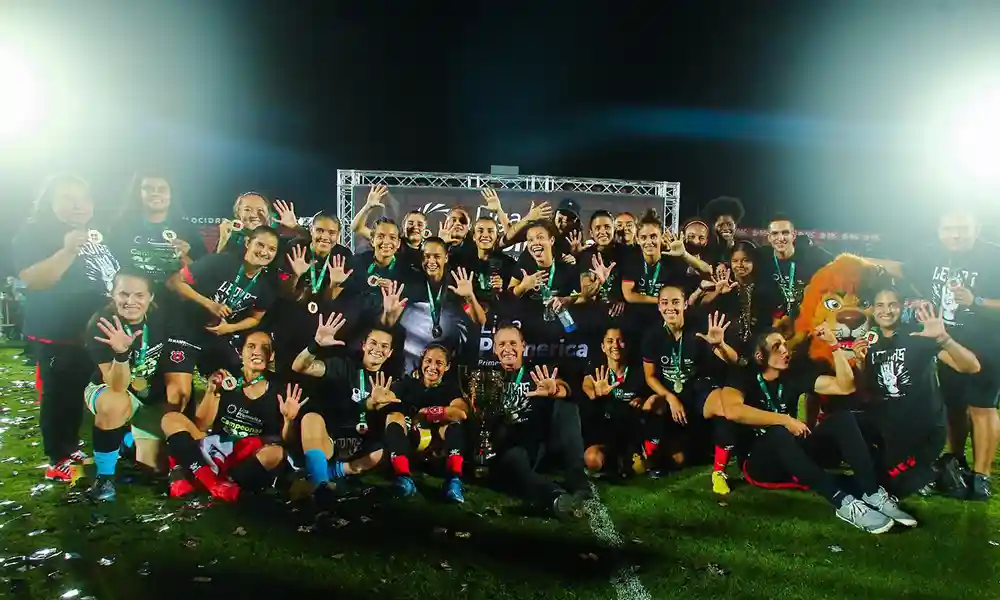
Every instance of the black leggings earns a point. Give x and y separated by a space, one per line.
65 372
780 460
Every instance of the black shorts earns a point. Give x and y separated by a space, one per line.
961 390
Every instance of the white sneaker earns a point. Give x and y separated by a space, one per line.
888 505
859 514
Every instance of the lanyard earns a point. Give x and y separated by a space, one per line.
651 282
767 394
316 283
232 299
787 285
612 378
388 267
363 419
143 347
547 289
435 305
256 379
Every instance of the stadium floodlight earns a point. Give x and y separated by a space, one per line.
21 107
974 138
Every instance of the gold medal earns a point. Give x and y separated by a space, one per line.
140 384
94 236
313 308
237 225
169 235
373 280
229 384
362 428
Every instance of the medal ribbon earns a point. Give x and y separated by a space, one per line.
547 289
388 267
232 299
435 305
363 419
314 283
143 347
767 394
651 282
787 285
612 378
257 379
677 358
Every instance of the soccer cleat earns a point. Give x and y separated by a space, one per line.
567 506
453 491
720 483
80 457
980 489
226 491
61 471
859 514
405 487
888 505
103 490
180 485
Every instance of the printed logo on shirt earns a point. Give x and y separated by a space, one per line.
243 299
177 356
516 402
100 266
943 297
892 375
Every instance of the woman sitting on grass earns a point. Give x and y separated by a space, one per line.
235 439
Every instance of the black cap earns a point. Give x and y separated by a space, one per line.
569 205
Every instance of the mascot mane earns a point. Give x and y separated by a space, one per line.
836 289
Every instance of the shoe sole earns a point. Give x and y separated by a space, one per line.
878 531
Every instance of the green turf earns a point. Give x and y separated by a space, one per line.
680 540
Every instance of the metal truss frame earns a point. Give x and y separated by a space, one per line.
350 179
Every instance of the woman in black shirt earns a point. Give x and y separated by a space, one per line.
67 272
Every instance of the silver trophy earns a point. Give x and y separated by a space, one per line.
486 387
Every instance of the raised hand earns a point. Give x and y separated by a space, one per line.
723 279
375 196
381 393
327 330
115 335
286 214
569 259
546 384
74 240
444 233
717 326
393 302
297 260
534 281
674 246
491 199
292 402
601 386
933 324
616 309
463 284
599 270
826 334
575 239
860 349
225 229
540 212
336 272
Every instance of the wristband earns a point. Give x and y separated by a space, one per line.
313 348
435 414
122 357
466 307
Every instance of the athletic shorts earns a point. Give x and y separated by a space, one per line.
145 420
181 356
961 390
223 453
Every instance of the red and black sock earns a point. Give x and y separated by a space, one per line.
454 441
398 446
721 457
183 448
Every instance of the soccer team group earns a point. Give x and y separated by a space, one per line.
316 372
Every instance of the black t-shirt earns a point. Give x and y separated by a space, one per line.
463 254
239 417
900 370
60 313
142 245
773 277
316 279
681 362
496 263
632 386
347 386
146 367
363 283
413 394
457 331
648 279
219 277
518 408
932 270
779 396
563 281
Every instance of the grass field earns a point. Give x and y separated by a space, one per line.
673 535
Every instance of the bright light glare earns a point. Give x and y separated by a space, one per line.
974 138
20 97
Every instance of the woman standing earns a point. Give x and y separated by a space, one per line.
67 271
151 236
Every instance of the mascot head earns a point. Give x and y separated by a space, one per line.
835 296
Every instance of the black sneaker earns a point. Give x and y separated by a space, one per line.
980 489
567 506
103 490
951 480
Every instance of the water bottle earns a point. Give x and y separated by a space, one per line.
569 326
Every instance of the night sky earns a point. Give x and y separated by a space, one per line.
795 106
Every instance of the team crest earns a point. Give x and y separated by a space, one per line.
313 308
177 356
373 280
